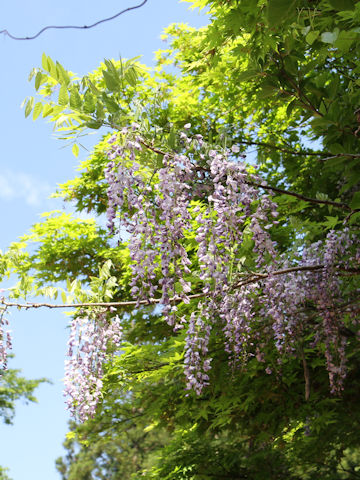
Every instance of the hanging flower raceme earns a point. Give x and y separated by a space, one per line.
91 336
156 217
215 196
5 338
313 301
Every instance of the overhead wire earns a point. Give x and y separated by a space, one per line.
76 27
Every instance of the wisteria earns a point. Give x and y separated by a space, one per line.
156 219
225 205
5 338
290 300
91 336
198 228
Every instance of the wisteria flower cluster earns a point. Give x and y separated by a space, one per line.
91 336
314 297
158 217
5 338
213 194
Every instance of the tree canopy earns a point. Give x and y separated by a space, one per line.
14 387
224 342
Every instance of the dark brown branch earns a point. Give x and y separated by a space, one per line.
264 186
302 197
306 377
303 268
76 27
282 149
255 276
300 94
339 155
153 149
350 215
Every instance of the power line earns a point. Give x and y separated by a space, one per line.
76 27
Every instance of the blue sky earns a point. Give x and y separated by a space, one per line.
32 163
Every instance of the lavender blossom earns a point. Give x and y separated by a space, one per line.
90 338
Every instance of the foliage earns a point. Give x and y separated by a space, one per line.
268 91
3 474
13 387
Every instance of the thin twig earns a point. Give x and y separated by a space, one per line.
282 149
302 197
350 215
264 186
301 95
76 27
153 149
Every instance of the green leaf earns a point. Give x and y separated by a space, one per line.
331 222
89 103
31 74
75 150
291 107
37 110
329 37
172 139
342 4
63 95
345 40
92 87
75 98
39 79
29 106
266 91
112 83
246 75
355 218
355 202
280 10
312 36
110 104
52 69
47 110
62 74
131 76
44 62
94 124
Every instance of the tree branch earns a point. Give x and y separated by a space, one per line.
76 27
282 149
339 155
302 197
302 97
254 277
306 377
264 186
